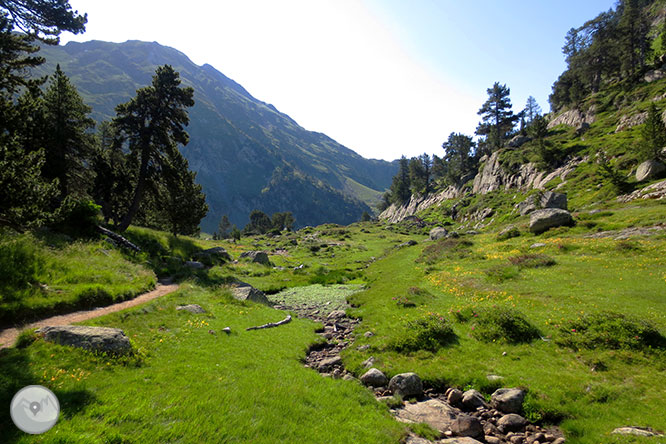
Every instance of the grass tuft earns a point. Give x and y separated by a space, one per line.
493 324
430 333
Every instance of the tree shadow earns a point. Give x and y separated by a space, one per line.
16 374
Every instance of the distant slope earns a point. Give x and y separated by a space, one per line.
247 154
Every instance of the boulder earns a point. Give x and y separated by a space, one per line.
511 423
466 425
406 385
437 414
329 363
547 199
195 265
454 396
542 220
459 440
99 339
650 169
246 292
374 378
192 308
518 141
438 233
508 400
259 257
472 399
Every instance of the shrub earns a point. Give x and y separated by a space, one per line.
25 338
532 261
79 218
610 330
20 265
502 324
428 333
508 234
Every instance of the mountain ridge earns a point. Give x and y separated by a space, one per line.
238 144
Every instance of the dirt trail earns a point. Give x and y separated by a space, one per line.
9 335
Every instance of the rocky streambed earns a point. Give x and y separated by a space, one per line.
460 417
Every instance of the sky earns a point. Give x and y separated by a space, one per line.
385 78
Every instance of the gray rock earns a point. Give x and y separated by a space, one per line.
459 440
437 414
328 364
368 362
100 339
511 423
196 265
259 257
508 400
454 396
374 378
368 334
192 308
518 141
246 292
213 256
650 169
438 233
472 399
542 220
493 378
406 385
550 199
635 431
336 314
466 425
492 440
538 245
413 439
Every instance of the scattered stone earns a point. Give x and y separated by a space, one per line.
490 429
227 330
650 169
368 334
374 378
538 245
192 308
336 314
508 400
438 233
511 423
492 439
559 441
454 396
368 362
466 425
636 431
246 292
409 243
654 191
459 440
413 439
542 220
363 347
196 265
259 257
213 255
99 339
406 385
348 377
329 363
472 399
494 378
437 414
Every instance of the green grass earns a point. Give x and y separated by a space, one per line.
589 390
187 385
57 275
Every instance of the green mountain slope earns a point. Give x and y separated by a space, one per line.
247 154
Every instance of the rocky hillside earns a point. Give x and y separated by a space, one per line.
247 154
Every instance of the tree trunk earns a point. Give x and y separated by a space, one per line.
138 194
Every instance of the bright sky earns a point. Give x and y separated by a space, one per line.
382 77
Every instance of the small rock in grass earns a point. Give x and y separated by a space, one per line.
636 431
368 362
538 245
100 339
227 330
368 334
196 265
192 308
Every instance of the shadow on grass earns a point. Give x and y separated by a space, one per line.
16 374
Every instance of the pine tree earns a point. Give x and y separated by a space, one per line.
223 228
458 157
68 142
43 19
498 119
539 131
259 223
653 135
400 187
152 124
283 221
531 111
183 200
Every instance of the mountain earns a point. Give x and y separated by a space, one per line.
246 153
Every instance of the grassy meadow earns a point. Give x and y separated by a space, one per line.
578 321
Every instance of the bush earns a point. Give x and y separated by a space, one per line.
25 338
414 297
610 330
502 324
79 218
428 333
20 265
501 273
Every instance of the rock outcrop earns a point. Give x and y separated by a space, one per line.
438 233
259 257
396 213
546 199
654 191
573 117
192 308
98 339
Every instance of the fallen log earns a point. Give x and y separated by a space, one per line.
118 239
271 324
